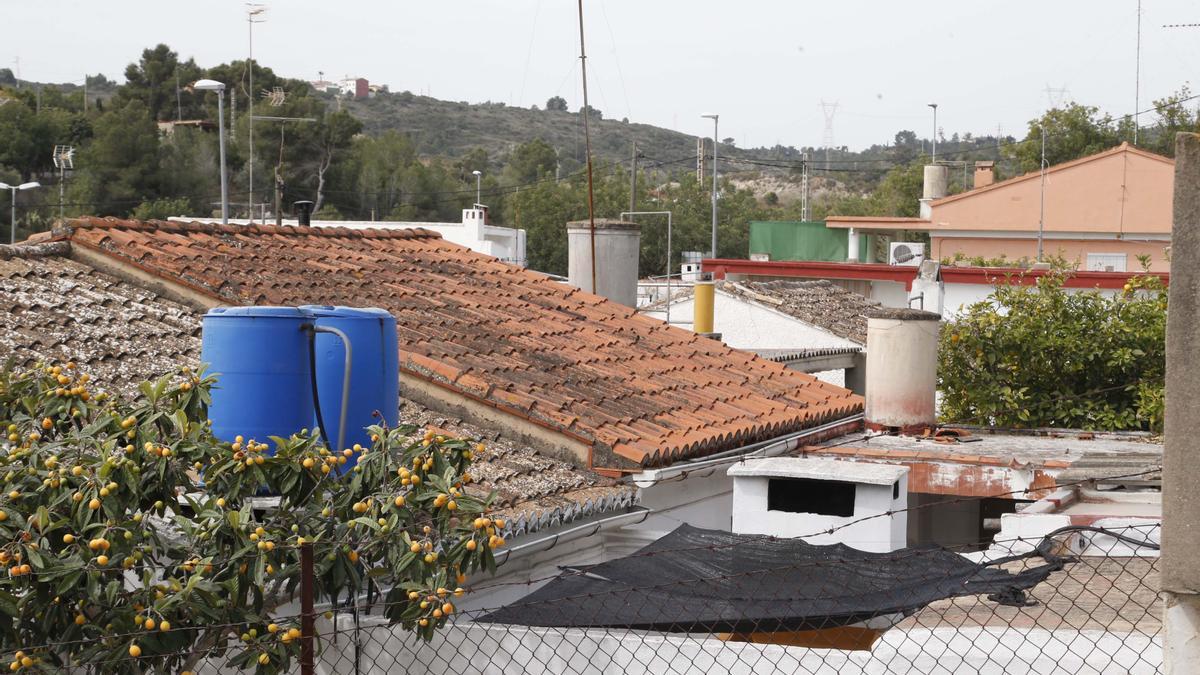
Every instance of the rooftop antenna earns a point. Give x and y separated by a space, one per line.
1137 77
64 158
253 10
830 109
587 140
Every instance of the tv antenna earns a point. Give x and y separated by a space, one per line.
276 96
64 159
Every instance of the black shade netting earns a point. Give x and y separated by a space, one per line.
696 580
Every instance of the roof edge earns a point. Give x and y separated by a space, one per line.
69 225
40 250
1123 147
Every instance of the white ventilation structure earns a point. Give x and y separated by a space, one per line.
906 253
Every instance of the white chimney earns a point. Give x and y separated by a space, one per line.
901 369
937 178
864 503
617 245
473 220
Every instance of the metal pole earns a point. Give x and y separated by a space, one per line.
633 180
933 152
478 188
804 187
221 143
587 140
307 615
250 98
1042 212
12 237
714 188
1137 76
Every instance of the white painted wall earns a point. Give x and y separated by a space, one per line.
749 325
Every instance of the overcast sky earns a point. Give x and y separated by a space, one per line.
764 66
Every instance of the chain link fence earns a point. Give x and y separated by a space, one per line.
1095 612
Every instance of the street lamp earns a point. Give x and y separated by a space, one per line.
12 239
714 117
933 159
478 187
219 87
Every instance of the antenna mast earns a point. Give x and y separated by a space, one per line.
587 141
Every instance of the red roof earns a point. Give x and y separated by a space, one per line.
638 391
905 274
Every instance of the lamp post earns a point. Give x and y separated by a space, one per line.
714 117
478 187
933 154
219 87
12 238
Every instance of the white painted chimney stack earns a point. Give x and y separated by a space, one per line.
901 369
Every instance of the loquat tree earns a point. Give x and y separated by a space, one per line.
132 540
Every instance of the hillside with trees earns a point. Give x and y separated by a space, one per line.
400 156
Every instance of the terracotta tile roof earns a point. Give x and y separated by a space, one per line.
639 392
533 492
57 310
819 302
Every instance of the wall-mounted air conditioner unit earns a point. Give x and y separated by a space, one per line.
906 253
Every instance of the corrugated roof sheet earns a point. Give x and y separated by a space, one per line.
638 390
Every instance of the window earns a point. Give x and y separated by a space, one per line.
805 495
1106 262
896 490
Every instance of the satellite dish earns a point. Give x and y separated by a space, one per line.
903 253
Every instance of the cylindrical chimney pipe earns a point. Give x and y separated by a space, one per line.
617 245
303 212
702 314
901 369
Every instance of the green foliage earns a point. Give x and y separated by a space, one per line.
1072 132
161 82
118 556
1042 356
122 161
556 104
161 209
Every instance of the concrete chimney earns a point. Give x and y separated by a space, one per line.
985 173
937 177
618 244
901 369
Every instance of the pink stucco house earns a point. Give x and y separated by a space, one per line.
1102 211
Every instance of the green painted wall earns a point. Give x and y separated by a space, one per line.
799 240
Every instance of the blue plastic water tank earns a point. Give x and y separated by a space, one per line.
374 370
264 386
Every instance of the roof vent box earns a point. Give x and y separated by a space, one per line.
801 497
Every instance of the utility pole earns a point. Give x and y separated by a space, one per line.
1042 208
1137 76
933 152
804 187
716 119
633 179
252 10
1181 456
587 140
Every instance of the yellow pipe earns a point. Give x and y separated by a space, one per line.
702 320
